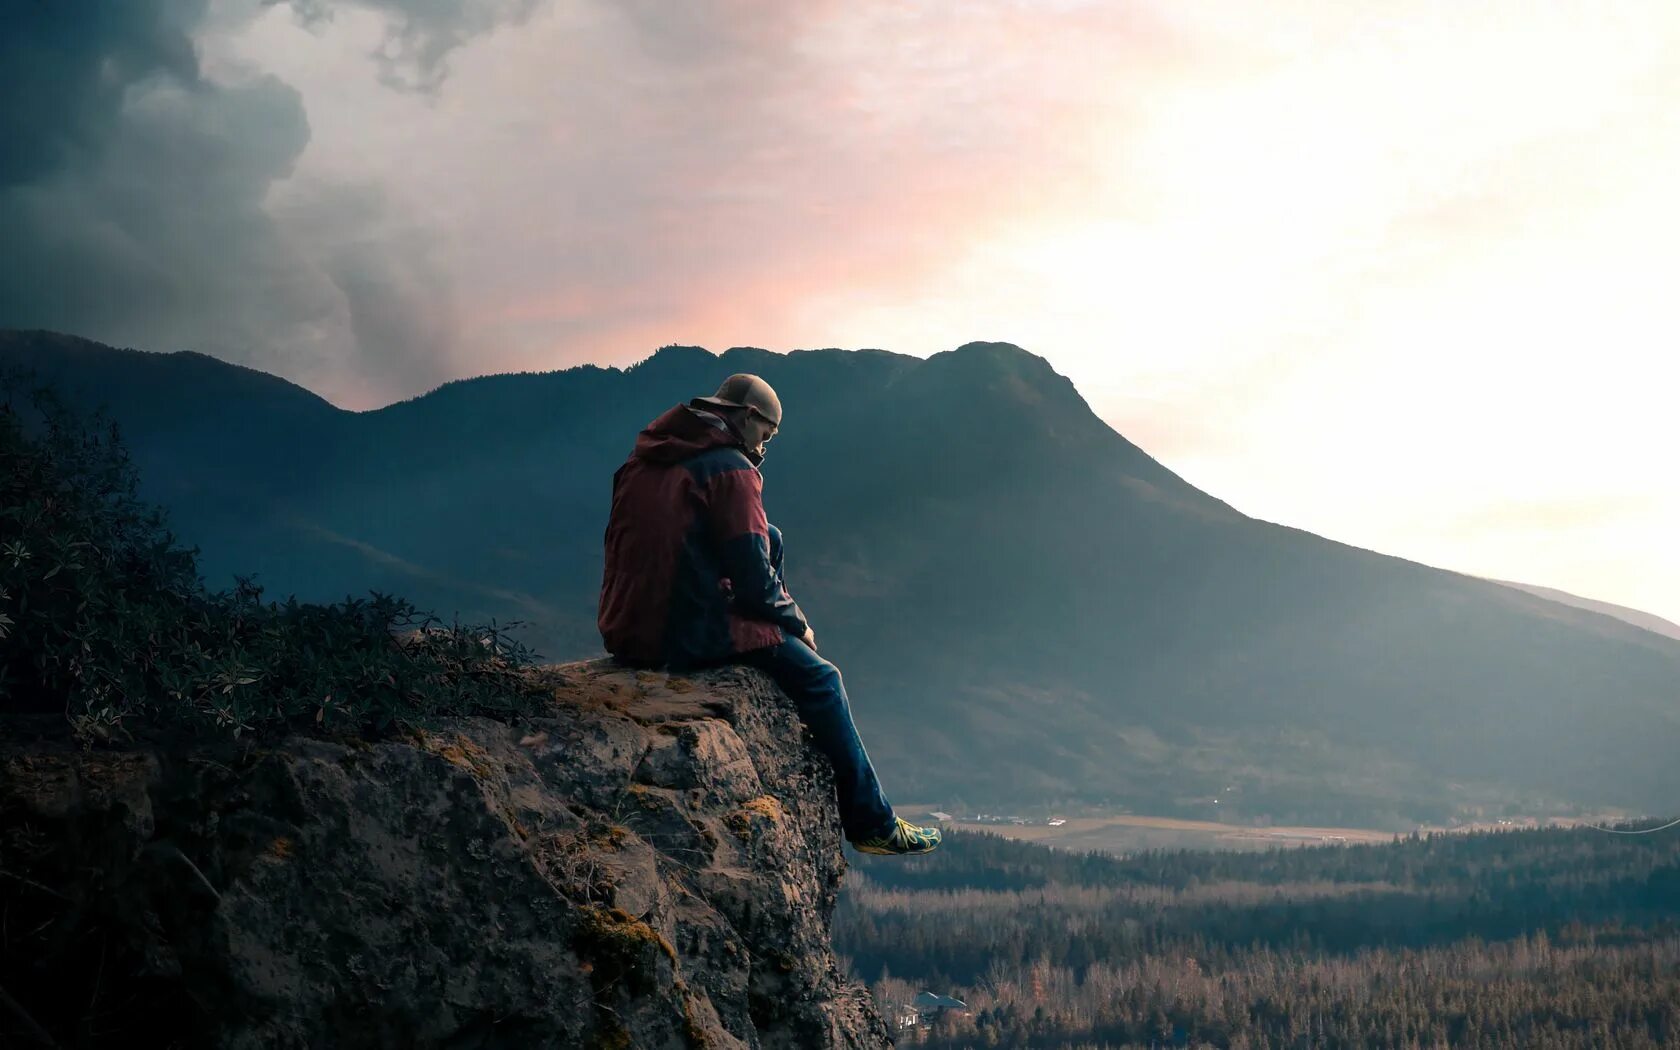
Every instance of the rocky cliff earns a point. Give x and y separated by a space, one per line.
653 862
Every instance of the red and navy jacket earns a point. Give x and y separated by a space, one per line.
688 578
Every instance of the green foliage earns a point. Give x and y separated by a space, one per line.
104 616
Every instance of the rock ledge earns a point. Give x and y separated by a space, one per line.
653 863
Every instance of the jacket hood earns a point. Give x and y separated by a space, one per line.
683 433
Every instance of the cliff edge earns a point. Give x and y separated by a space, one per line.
653 862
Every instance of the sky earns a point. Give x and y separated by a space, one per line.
1396 273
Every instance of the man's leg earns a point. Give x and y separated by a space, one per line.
816 689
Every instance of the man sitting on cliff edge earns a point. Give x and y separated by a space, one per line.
694 579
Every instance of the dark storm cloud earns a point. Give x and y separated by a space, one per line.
155 233
66 66
135 196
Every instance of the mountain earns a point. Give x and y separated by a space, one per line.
1649 621
1027 607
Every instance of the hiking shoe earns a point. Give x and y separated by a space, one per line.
905 839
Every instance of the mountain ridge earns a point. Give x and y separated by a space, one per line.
1008 583
1638 617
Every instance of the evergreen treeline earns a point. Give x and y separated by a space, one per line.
1547 938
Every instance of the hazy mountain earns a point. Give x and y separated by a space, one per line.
1649 621
1027 607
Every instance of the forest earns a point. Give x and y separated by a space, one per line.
1558 937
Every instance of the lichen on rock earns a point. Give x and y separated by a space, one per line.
652 862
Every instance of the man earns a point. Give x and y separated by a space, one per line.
694 579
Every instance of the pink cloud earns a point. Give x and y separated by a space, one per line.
743 169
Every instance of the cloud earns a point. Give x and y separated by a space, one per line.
420 34
611 177
66 68
136 194
136 213
739 172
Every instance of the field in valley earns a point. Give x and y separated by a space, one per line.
1129 833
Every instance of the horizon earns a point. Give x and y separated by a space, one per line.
1394 277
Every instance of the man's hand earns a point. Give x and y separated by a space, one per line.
810 638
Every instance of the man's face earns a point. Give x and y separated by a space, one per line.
757 430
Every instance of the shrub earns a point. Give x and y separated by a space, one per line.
104 616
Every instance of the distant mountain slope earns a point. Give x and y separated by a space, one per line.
223 446
1025 604
1649 621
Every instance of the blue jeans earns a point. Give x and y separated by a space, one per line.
817 691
